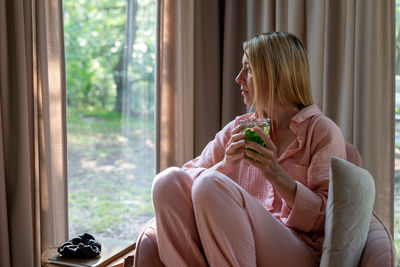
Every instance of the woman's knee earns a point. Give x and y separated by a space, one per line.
208 187
167 183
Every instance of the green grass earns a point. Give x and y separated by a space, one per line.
85 122
110 173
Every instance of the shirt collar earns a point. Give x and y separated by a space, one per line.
303 115
306 113
300 116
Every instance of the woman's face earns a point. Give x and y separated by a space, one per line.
245 79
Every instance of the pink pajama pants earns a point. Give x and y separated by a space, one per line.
212 221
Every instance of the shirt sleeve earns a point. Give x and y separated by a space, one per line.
213 153
308 211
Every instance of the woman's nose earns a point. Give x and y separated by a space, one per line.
239 78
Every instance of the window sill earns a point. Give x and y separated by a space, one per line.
122 258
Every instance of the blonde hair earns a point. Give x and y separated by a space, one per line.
280 69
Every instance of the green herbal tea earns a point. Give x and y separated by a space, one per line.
263 124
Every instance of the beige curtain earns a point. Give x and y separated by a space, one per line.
175 102
351 52
33 192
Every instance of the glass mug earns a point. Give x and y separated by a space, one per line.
263 124
247 124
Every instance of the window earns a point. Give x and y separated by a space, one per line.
110 57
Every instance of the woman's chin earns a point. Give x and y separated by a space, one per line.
247 101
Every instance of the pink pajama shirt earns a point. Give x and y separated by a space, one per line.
204 217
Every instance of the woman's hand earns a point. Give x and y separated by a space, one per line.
234 151
265 159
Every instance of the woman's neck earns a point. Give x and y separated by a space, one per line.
283 115
281 134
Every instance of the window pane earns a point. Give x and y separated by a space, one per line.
110 55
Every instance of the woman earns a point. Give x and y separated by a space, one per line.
233 206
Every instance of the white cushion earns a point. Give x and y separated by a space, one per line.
348 213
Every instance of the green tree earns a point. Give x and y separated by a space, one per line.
95 38
121 69
141 68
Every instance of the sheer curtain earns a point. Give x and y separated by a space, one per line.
351 52
33 192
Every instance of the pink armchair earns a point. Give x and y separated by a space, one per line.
379 248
